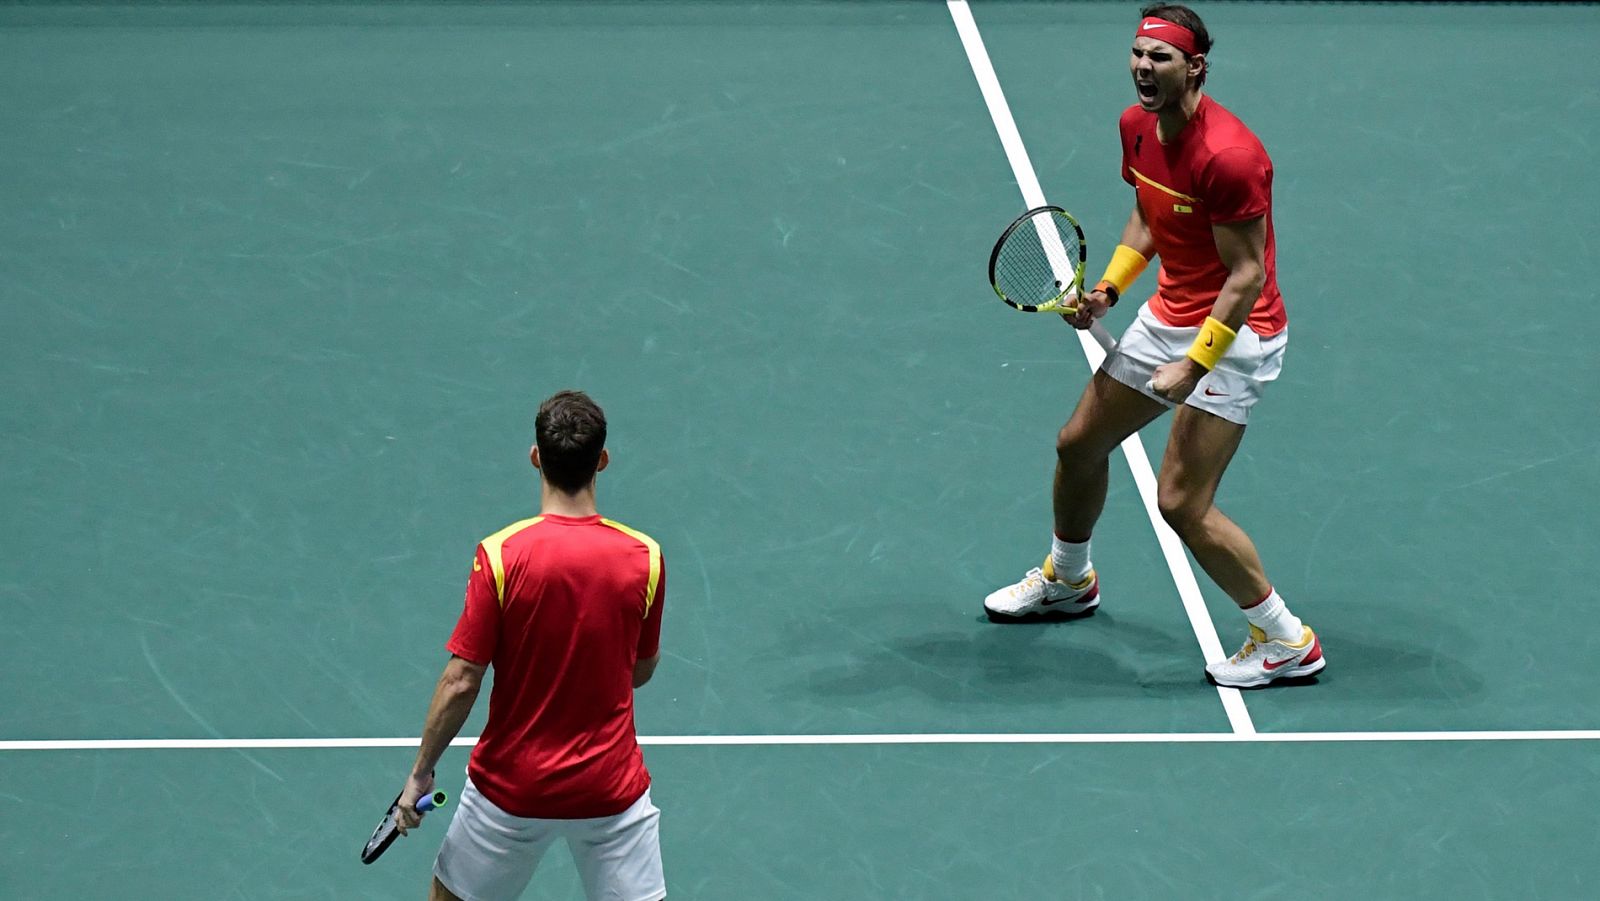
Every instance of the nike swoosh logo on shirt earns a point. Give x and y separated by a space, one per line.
1210 393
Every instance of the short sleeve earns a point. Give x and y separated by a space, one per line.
650 634
478 630
1125 128
1237 185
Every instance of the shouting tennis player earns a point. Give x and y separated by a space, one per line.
1207 342
567 607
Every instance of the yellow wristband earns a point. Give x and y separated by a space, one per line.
1212 342
1125 266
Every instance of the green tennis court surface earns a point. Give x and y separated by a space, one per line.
281 285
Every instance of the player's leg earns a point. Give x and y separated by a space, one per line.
1065 584
620 856
440 893
487 853
1107 413
1200 447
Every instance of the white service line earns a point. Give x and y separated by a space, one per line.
1138 461
932 738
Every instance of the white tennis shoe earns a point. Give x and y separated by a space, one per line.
1261 660
1040 596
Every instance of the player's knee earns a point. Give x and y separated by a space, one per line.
1073 449
1183 510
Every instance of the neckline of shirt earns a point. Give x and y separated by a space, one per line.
560 519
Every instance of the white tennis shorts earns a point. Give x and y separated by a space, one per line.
1228 391
490 855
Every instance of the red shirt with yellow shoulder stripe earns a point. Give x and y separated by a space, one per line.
1214 171
562 607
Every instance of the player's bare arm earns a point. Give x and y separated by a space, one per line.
644 669
453 698
1243 249
1136 234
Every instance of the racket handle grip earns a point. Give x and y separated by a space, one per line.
431 802
1102 337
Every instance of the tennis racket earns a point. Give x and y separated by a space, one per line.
1037 266
388 830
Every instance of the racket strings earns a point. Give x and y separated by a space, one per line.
1037 259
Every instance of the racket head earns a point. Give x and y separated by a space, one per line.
388 830
1037 265
383 836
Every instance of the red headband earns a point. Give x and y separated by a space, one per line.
1167 32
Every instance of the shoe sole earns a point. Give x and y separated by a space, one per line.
1299 672
1048 614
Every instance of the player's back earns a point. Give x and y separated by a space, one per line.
576 595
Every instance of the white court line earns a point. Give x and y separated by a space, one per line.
1138 461
931 738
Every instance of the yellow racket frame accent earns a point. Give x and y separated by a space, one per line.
1070 282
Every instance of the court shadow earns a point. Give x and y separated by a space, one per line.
1364 663
1021 664
1360 667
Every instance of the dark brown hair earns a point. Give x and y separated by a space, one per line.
1178 14
571 431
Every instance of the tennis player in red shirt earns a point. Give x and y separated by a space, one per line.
1206 343
566 607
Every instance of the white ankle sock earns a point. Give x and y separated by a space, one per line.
1069 559
1272 616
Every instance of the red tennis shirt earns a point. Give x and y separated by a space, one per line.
562 607
1214 171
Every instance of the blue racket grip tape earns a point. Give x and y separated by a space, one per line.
431 802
